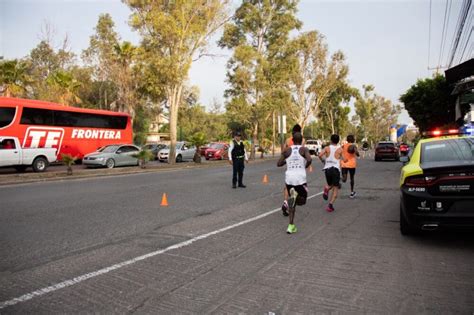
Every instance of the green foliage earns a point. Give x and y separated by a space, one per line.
257 34
14 78
198 139
141 125
429 103
374 114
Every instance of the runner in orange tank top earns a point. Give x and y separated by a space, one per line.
350 153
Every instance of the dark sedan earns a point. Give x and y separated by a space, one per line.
386 150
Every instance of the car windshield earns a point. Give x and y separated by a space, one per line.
386 145
311 142
217 146
448 150
109 149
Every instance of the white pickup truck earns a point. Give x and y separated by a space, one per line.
13 155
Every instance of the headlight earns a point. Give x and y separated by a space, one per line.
100 159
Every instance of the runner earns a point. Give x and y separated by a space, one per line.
288 143
349 153
297 159
332 169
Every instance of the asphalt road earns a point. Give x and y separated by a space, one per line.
105 245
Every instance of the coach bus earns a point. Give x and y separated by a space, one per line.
71 130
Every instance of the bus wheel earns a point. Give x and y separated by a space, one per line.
40 164
110 163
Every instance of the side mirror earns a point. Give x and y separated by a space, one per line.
404 159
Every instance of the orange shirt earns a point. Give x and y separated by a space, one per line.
351 158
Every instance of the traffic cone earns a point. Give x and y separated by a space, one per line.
164 201
265 179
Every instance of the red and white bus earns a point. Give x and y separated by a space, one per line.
71 130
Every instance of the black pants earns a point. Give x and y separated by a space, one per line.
238 170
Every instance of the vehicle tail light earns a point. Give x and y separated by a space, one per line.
420 180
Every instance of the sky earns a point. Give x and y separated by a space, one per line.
388 43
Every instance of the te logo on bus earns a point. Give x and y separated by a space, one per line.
43 137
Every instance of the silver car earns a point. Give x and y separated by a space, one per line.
112 155
184 152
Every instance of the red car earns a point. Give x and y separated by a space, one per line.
404 149
218 151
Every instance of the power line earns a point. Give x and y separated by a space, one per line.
465 46
463 16
443 34
429 37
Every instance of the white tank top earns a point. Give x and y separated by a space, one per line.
295 167
331 160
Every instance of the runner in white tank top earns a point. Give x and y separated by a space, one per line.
295 167
297 159
331 160
332 170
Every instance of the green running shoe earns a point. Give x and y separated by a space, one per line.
291 229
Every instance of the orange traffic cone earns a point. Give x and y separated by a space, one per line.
265 179
164 200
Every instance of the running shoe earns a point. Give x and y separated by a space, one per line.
284 208
292 199
330 208
326 193
291 229
353 194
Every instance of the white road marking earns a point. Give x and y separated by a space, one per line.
102 271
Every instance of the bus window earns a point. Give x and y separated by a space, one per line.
36 116
6 116
74 119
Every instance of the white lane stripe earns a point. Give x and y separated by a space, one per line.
93 274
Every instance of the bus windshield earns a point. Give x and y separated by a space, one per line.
6 116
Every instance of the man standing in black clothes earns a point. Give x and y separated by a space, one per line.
237 157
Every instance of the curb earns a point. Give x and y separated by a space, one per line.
19 179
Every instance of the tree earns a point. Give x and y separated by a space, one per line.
100 56
14 78
374 114
69 161
63 88
258 33
174 33
429 103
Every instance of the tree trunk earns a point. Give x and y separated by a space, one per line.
254 140
174 98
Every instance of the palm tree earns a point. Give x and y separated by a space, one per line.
198 140
13 78
143 157
67 86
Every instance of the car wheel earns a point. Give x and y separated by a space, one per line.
376 159
405 227
110 163
40 164
207 159
179 159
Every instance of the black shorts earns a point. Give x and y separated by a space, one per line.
351 171
302 191
333 177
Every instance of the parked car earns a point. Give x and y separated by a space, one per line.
184 152
314 146
112 155
404 149
202 149
437 185
386 150
13 155
154 148
218 151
